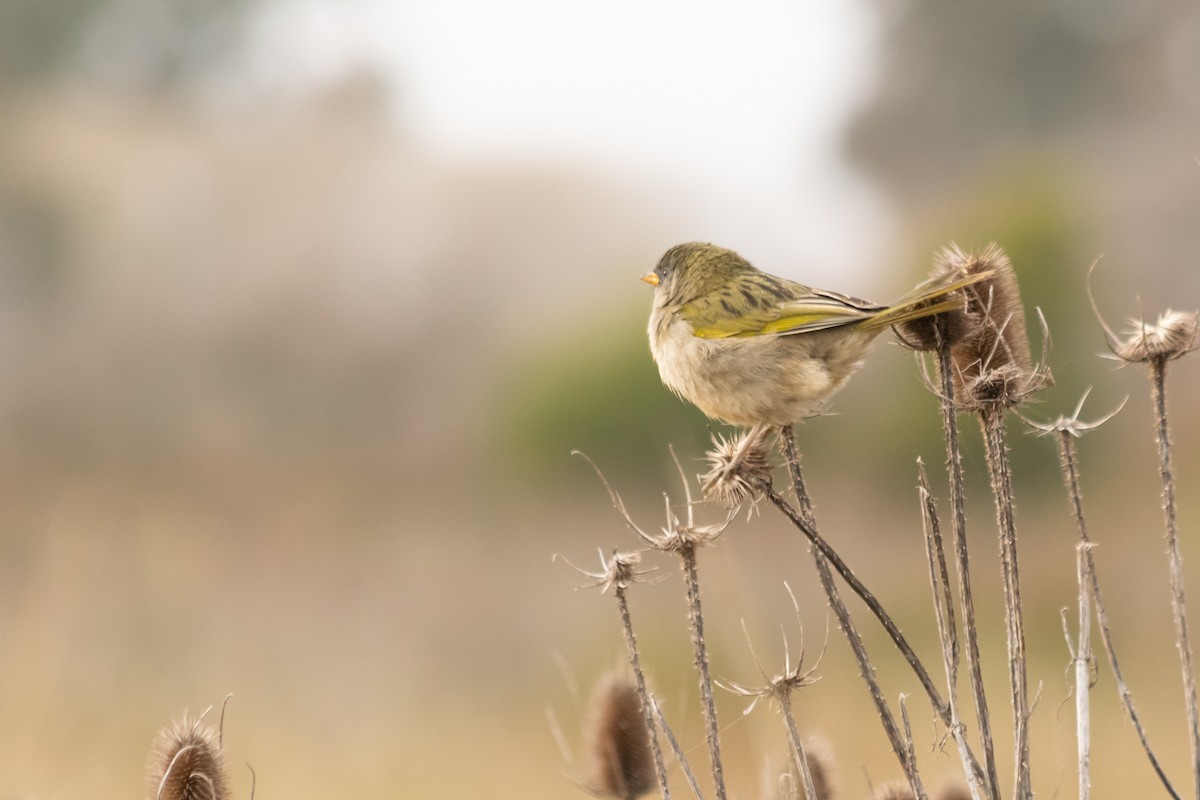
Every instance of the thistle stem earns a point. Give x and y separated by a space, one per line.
1083 663
1068 459
1158 373
660 769
966 598
866 668
1000 471
687 556
943 604
798 754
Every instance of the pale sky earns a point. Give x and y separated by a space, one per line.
740 106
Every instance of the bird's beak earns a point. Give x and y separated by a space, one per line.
650 278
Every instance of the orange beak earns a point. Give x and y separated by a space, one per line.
650 278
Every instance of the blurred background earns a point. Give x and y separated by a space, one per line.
304 305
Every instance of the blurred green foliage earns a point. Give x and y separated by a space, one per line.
598 392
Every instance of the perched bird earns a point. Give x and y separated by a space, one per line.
755 350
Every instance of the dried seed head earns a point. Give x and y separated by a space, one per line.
619 762
738 469
782 781
186 763
1000 338
951 326
1173 336
992 361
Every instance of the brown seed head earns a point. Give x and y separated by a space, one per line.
1173 336
186 763
782 781
948 327
992 361
738 468
619 762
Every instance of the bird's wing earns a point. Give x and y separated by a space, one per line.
805 310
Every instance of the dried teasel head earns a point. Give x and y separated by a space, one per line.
1172 336
739 467
618 760
186 763
949 327
993 366
782 781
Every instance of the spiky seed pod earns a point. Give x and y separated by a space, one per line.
738 468
1173 336
782 781
186 763
619 762
993 365
949 327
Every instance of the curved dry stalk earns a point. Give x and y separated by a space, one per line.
826 551
866 668
1066 430
804 523
1171 337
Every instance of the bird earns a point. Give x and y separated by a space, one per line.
754 350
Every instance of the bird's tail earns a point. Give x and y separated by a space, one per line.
924 301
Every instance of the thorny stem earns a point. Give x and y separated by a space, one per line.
966 598
660 769
826 551
1083 664
867 669
798 754
1158 373
992 420
687 556
677 750
943 603
1068 459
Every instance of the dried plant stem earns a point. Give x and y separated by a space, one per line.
943 603
1068 459
866 668
678 751
1000 472
966 598
687 558
1083 674
660 769
823 548
1158 375
798 754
